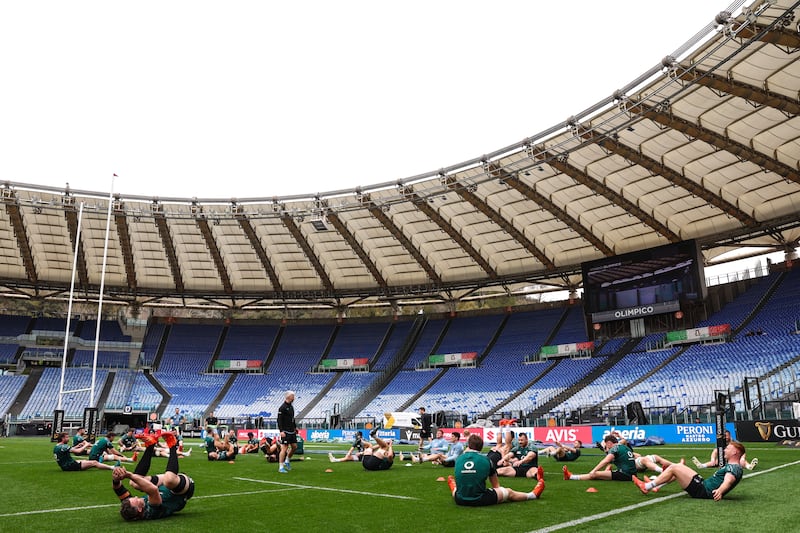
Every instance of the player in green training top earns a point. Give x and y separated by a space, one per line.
62 454
619 454
103 450
563 452
473 469
166 493
80 445
522 460
714 488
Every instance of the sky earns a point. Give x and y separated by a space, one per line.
247 99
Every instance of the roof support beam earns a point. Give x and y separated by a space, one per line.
387 222
495 217
72 224
14 214
166 239
288 221
123 231
753 94
422 204
211 244
531 194
743 152
247 227
656 167
340 226
559 162
790 40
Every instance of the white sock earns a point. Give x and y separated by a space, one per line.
658 469
531 496
650 485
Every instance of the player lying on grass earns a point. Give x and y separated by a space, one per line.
166 493
563 452
715 487
379 456
473 469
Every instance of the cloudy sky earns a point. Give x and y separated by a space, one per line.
258 98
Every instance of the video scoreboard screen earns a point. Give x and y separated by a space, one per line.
642 283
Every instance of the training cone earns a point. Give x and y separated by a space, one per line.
591 489
440 478
328 470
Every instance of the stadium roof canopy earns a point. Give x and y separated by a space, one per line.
704 146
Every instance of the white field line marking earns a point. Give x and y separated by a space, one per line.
346 491
85 507
586 519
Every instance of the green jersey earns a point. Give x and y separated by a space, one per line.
170 503
520 452
472 469
99 448
77 439
62 456
715 481
623 459
210 447
568 455
127 441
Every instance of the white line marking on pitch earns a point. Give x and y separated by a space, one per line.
585 519
85 507
346 491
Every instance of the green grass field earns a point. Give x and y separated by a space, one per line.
251 495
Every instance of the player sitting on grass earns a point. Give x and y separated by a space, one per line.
62 454
715 487
473 469
166 493
104 451
522 460
251 446
355 452
618 454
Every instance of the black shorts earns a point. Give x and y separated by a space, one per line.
696 489
371 462
74 466
494 457
487 498
522 470
425 433
289 437
619 475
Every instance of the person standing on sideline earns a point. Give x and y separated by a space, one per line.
288 428
426 422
